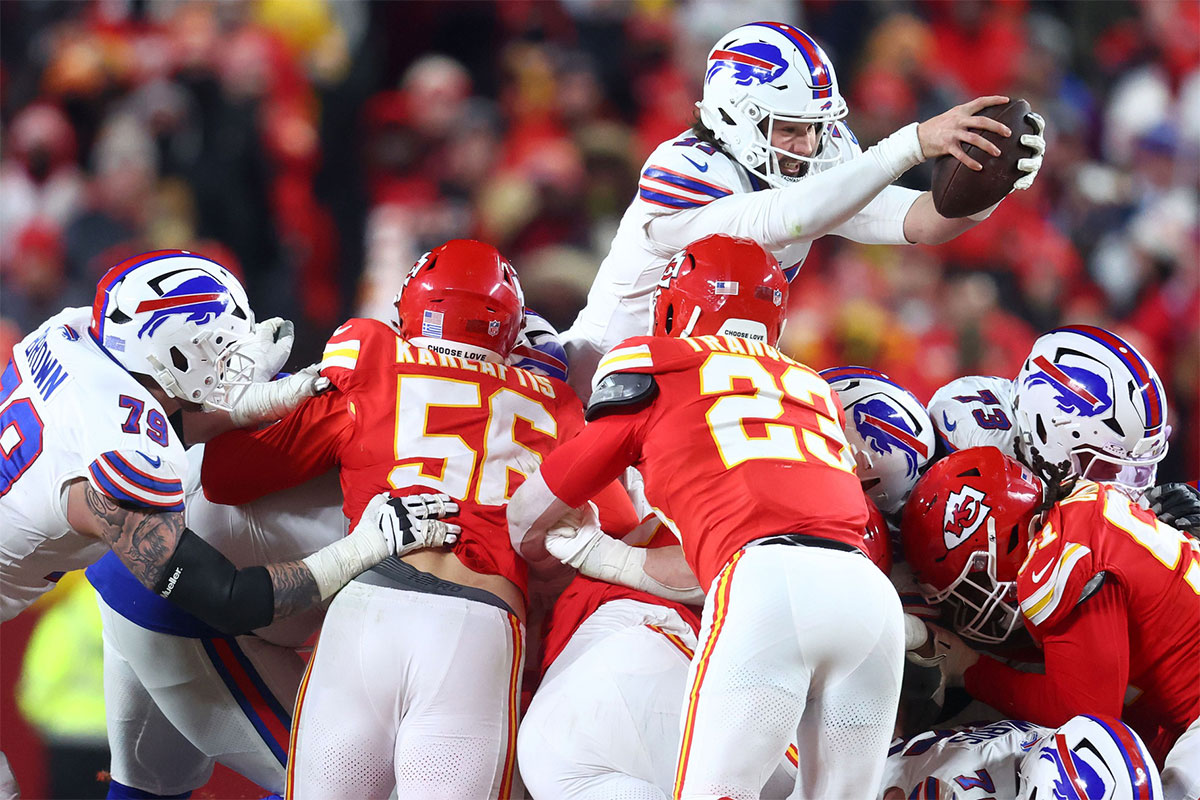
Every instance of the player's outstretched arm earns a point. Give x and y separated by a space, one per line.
820 203
172 561
578 542
177 564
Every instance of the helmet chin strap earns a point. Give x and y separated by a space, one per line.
687 329
163 377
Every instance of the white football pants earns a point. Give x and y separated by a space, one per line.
411 691
795 641
177 705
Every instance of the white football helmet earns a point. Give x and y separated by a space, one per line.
539 348
1088 400
174 316
768 72
1089 758
889 433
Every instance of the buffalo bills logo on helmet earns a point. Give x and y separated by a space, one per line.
201 298
882 426
1078 391
752 62
965 512
1076 777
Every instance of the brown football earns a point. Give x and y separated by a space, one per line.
959 191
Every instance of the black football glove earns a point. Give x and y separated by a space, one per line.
1178 505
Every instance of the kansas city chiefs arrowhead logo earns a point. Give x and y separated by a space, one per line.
965 512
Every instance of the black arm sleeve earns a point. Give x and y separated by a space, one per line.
203 582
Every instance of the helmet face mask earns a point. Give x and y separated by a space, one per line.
1089 404
175 317
721 285
760 76
462 299
966 531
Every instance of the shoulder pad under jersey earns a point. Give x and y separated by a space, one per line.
340 357
686 173
975 411
618 390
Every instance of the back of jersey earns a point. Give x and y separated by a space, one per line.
740 443
426 421
68 412
1157 569
976 763
975 411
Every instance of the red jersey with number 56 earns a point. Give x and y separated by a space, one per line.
446 424
741 442
1157 569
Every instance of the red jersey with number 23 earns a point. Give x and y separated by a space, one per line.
740 442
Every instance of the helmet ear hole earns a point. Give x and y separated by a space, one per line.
1014 538
669 318
178 359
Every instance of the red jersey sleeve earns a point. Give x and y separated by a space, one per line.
241 465
1060 563
581 467
617 514
1087 667
340 358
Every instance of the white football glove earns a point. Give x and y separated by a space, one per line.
388 525
575 535
413 522
268 346
578 542
1036 142
915 632
272 400
951 654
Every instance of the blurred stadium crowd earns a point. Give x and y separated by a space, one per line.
319 147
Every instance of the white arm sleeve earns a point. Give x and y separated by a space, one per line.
532 511
805 211
882 220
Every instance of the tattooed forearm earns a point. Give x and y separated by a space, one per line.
295 588
143 540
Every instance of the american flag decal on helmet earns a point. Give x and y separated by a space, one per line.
431 323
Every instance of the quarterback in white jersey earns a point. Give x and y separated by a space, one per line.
976 411
771 160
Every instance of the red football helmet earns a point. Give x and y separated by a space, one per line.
462 299
721 285
877 538
965 532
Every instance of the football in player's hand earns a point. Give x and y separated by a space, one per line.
959 191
